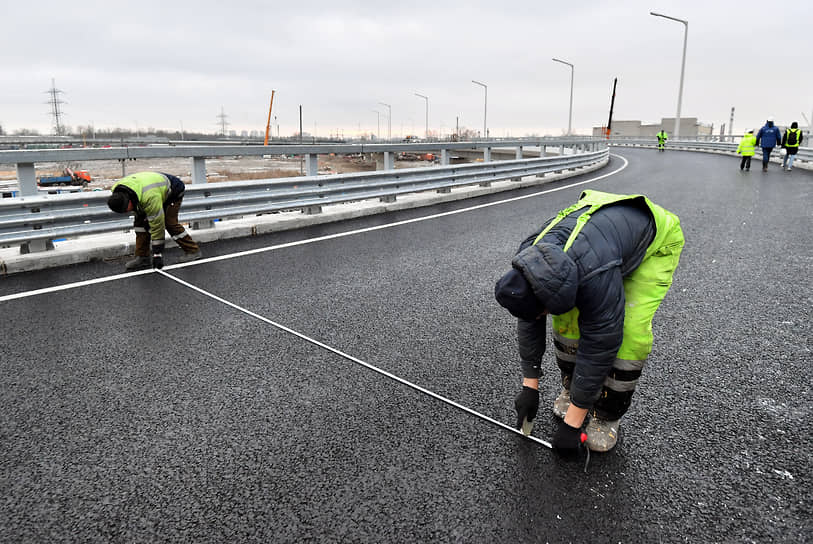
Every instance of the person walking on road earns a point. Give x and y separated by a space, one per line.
768 137
746 147
791 141
155 198
600 268
662 137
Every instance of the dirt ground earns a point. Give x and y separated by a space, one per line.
105 173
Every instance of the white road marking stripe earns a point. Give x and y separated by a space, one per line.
354 359
309 240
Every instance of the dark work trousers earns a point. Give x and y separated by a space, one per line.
766 156
178 232
745 162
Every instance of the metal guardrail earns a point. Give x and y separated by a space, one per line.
26 159
34 221
804 153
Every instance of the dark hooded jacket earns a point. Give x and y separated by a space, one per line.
589 277
768 136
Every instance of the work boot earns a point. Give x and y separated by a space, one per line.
602 434
562 403
189 257
138 263
764 168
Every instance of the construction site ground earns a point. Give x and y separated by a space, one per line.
105 172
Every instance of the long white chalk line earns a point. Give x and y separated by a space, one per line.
353 359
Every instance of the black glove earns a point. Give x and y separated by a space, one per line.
526 404
568 441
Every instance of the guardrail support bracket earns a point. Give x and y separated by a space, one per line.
36 246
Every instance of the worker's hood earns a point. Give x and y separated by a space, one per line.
552 275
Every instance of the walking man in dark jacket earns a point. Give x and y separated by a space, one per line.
768 137
601 268
791 141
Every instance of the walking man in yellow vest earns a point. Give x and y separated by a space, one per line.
155 199
746 147
791 141
600 268
662 137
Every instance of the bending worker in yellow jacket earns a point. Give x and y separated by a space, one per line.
155 198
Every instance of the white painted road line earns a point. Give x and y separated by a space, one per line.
310 240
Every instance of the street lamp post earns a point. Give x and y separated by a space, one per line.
570 115
485 107
426 133
378 124
682 66
389 120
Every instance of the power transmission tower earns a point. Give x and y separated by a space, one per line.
223 124
56 111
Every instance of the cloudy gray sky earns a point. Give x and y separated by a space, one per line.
169 63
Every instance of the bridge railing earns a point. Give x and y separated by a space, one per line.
34 222
26 160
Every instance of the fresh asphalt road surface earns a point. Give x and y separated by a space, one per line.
142 410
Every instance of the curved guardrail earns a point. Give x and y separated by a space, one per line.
805 154
44 218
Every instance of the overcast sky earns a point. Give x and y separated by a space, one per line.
167 64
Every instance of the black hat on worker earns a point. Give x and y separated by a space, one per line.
118 202
514 293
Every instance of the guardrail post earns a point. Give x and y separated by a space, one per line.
562 150
27 178
311 164
444 157
385 161
486 154
518 157
198 170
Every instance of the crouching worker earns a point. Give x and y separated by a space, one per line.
155 198
600 268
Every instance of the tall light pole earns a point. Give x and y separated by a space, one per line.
485 107
426 133
389 120
682 66
378 124
570 115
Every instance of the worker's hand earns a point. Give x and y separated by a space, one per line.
526 404
568 441
157 260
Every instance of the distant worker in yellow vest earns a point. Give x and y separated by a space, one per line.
155 199
746 147
600 268
662 137
791 141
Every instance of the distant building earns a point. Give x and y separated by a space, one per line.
689 128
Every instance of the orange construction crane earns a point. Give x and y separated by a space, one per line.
268 124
